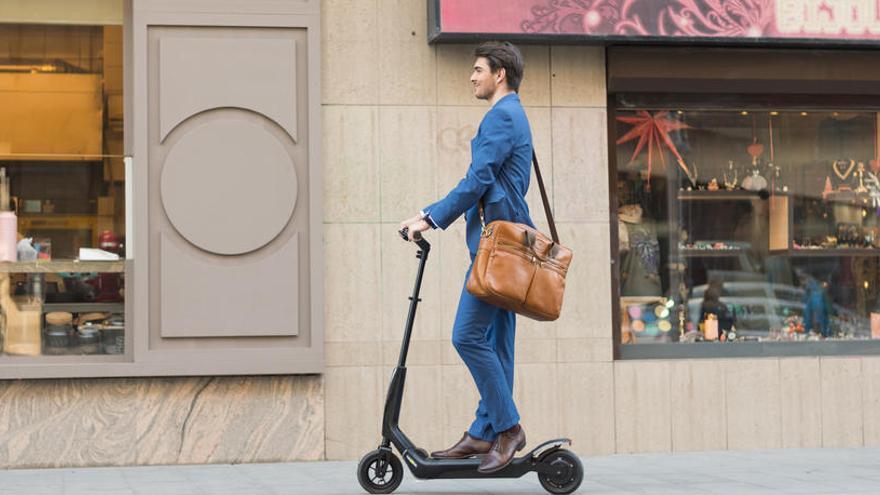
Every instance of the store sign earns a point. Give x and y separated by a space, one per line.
751 21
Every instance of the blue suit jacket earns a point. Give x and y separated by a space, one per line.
501 163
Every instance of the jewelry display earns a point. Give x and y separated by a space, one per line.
730 177
839 170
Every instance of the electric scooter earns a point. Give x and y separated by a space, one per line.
380 471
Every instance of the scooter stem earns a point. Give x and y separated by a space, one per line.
422 255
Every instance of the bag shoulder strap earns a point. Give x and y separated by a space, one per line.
544 199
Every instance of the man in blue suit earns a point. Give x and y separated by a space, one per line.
497 180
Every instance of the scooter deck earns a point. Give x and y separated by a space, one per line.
429 468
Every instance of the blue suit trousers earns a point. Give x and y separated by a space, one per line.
484 335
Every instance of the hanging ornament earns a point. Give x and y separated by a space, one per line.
756 149
652 132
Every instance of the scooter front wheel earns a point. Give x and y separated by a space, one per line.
568 472
380 471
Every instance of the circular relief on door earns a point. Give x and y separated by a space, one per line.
228 186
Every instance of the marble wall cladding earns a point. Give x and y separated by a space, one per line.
111 422
871 402
642 406
407 173
801 402
577 76
407 64
586 406
698 413
350 163
580 164
352 282
753 403
842 405
350 41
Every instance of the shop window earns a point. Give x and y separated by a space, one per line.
748 229
62 184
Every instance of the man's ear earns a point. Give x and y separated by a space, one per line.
501 75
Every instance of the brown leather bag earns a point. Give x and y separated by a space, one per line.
519 268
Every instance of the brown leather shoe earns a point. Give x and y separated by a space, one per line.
468 446
508 443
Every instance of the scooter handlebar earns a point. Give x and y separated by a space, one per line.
420 241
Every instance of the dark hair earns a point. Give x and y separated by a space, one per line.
503 55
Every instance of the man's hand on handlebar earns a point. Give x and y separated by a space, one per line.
414 226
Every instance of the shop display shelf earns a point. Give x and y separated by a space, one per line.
85 307
724 195
830 253
70 266
710 253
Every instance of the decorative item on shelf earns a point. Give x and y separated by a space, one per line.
730 177
828 188
653 131
873 185
731 334
89 338
713 185
875 325
59 332
114 334
754 182
775 178
843 168
681 320
710 327
32 206
874 162
25 250
8 222
755 150
794 324
43 246
108 241
860 173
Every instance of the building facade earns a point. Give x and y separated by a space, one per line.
261 324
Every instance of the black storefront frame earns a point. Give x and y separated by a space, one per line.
843 95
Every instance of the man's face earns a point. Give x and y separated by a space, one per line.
484 81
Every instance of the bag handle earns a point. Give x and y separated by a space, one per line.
544 199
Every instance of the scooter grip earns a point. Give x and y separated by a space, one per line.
404 233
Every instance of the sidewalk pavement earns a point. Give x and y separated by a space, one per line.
806 471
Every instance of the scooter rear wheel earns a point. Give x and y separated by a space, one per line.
568 475
380 472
